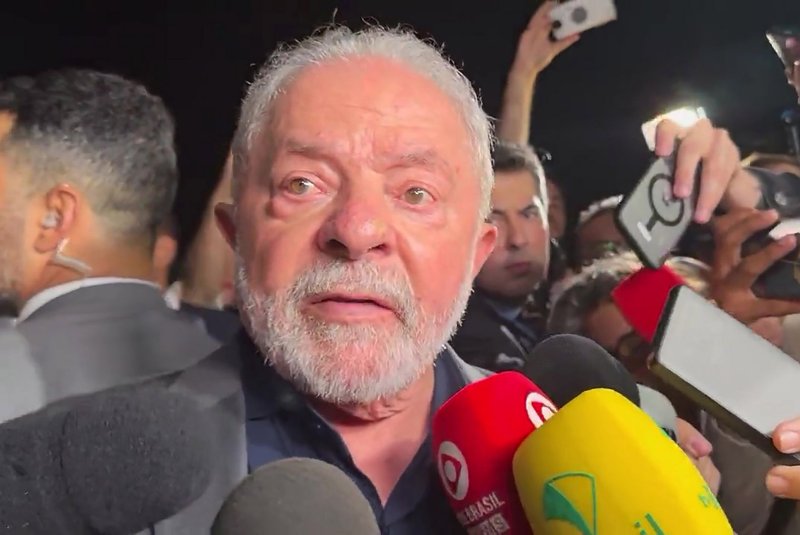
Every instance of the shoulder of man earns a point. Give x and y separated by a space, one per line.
215 384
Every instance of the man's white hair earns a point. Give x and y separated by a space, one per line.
339 43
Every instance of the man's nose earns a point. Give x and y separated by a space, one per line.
359 225
517 237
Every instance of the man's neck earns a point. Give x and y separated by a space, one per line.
414 399
383 437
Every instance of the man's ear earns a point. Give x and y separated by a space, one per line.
223 213
57 218
487 237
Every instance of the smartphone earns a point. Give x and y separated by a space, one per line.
576 16
785 40
730 372
782 279
651 218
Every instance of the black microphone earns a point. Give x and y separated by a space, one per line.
566 365
110 463
296 497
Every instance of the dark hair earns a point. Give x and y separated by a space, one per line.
509 157
106 135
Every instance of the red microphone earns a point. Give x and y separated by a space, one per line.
475 435
641 298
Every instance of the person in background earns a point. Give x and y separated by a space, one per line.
204 289
596 234
535 51
87 174
164 252
497 333
585 307
556 208
359 223
206 273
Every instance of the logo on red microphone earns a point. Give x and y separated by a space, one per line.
539 408
453 470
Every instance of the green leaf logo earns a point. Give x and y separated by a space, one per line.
558 507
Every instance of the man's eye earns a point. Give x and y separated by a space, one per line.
299 186
416 196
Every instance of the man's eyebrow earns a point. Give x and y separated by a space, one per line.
295 146
427 159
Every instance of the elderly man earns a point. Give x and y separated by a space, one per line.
362 182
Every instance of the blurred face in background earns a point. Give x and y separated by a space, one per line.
358 229
520 257
556 210
12 223
598 237
608 327
210 261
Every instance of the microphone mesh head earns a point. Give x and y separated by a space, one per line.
566 365
133 456
296 496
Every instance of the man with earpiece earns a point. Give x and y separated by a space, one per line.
87 175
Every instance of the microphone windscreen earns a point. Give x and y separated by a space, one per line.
474 436
600 465
641 298
658 407
296 497
114 462
566 365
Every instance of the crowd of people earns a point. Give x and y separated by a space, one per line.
355 232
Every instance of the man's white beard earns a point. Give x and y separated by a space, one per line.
343 363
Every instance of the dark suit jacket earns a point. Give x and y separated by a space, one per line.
221 325
487 340
104 336
21 385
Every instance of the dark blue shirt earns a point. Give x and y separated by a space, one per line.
281 424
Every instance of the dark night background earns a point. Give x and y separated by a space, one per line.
589 105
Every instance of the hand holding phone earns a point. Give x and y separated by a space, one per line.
651 218
575 16
730 372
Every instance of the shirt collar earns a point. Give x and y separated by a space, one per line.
266 393
45 296
504 310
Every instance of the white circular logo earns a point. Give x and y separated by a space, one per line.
453 470
539 408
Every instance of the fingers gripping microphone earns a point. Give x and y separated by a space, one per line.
600 465
112 463
475 434
296 497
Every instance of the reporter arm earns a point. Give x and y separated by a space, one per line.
515 113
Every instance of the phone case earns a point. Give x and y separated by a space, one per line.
716 409
651 220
